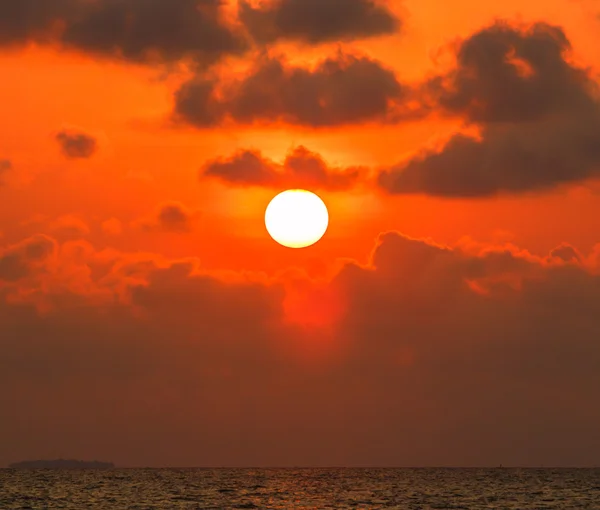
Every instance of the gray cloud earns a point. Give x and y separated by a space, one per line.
32 19
141 29
150 31
566 253
135 30
171 217
341 90
538 115
301 169
20 260
504 74
77 145
196 103
317 21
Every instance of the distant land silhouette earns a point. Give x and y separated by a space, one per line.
61 464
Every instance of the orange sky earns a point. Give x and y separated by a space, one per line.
99 213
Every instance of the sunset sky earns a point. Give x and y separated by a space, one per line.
449 317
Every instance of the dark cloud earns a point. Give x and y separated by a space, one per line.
141 29
566 253
196 103
244 168
20 260
136 30
469 321
508 75
301 169
317 21
538 115
32 19
430 342
77 145
149 31
171 217
341 90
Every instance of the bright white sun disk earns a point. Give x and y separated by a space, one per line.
297 218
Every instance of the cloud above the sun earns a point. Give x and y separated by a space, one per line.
300 169
150 32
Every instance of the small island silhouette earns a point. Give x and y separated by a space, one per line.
61 464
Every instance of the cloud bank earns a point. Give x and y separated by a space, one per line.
410 356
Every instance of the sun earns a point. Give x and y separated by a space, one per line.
297 218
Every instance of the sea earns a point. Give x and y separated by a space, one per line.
345 488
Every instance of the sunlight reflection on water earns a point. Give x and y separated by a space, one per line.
409 489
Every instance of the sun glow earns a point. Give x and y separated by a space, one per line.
297 218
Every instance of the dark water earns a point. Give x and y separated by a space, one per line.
301 488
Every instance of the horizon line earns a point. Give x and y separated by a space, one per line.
500 466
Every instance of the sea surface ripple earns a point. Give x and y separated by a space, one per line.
344 488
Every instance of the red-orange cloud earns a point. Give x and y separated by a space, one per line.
415 347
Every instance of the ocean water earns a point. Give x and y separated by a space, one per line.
410 489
